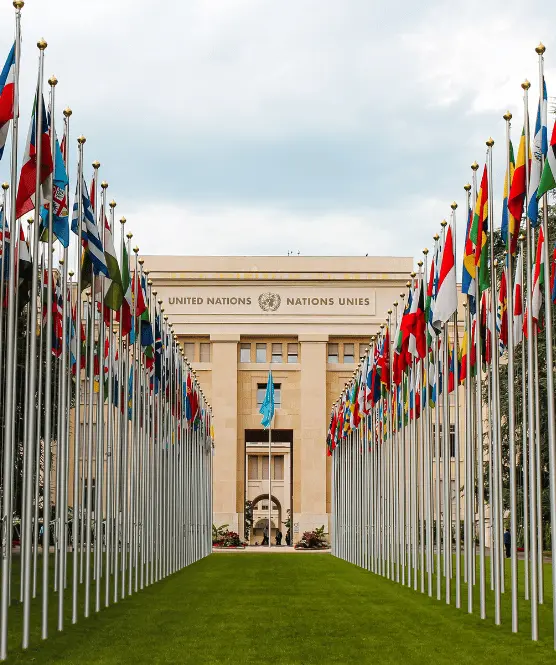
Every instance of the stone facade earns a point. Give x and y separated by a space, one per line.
307 318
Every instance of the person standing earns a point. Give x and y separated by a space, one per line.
508 542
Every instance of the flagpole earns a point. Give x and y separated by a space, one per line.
52 81
530 392
32 424
550 364
9 426
511 401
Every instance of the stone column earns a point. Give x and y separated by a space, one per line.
311 446
224 403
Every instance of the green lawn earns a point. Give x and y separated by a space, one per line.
287 608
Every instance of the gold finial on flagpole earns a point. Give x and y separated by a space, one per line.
453 205
413 274
5 186
443 223
490 142
52 81
62 261
540 49
154 294
436 236
41 44
141 261
112 203
104 184
71 273
420 264
30 220
408 284
526 85
507 116
96 165
150 282
18 4
389 311
426 251
81 140
67 111
123 220
136 249
467 187
474 166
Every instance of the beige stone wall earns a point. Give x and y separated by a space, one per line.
314 301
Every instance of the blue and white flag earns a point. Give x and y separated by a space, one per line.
89 231
539 150
267 407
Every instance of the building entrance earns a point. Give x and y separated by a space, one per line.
262 477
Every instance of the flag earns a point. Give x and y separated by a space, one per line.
25 200
447 296
540 147
462 356
384 362
538 279
431 294
417 344
518 301
60 213
124 315
5 242
267 407
89 231
502 314
451 366
510 225
468 281
519 185
25 271
7 84
486 337
479 234
113 288
548 177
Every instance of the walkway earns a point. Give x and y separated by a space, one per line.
258 610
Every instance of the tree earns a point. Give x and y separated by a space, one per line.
519 391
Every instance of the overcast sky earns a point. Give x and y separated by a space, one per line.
258 127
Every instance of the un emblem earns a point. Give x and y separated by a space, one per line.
269 302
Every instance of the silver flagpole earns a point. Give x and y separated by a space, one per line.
77 447
480 447
270 478
469 496
133 442
496 446
11 341
31 388
52 81
457 454
90 412
427 456
549 374
511 400
110 437
530 393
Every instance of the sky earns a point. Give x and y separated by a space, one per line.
247 127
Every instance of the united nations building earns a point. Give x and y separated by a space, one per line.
308 319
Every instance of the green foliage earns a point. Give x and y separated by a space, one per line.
313 540
248 518
520 392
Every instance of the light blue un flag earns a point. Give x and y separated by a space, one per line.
267 407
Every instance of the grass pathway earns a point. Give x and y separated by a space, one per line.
268 608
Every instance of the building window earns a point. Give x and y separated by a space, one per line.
264 506
261 391
264 460
278 467
189 350
253 467
293 352
276 352
332 353
349 351
261 353
245 353
363 349
443 443
204 352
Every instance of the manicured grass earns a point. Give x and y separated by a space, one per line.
255 609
